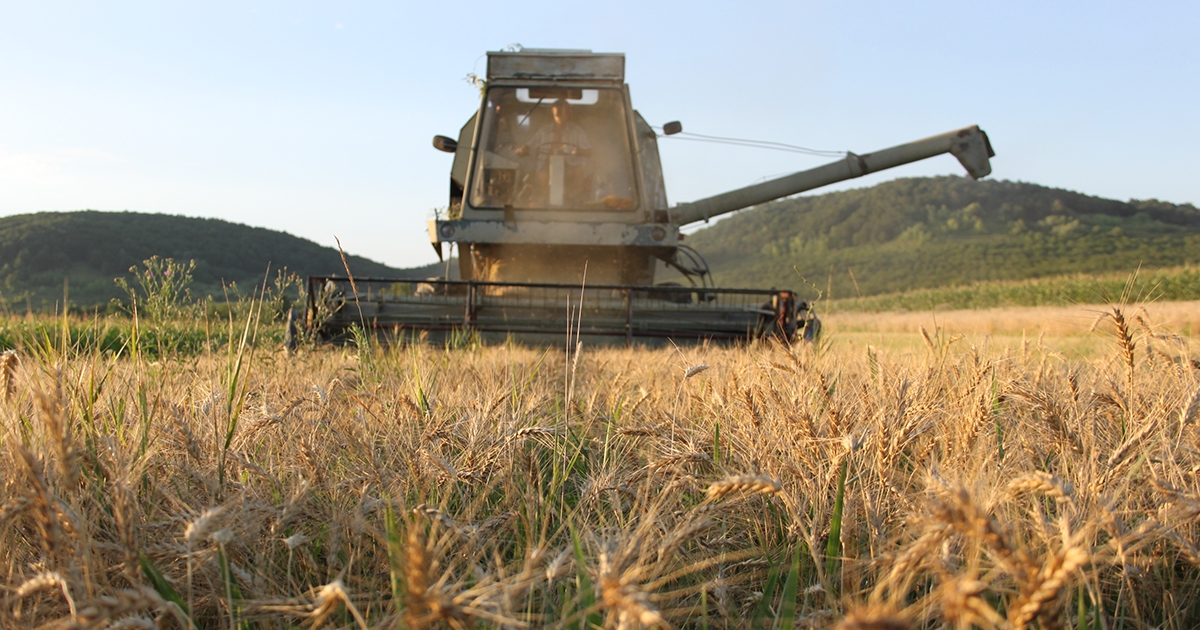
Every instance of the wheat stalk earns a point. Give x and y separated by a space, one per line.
874 617
962 604
44 581
58 429
203 525
97 612
43 503
1190 409
133 623
694 370
749 484
1124 339
623 599
328 598
1041 483
1046 585
928 341
8 371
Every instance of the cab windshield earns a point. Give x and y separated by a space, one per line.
554 148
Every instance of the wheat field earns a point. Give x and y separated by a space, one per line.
950 481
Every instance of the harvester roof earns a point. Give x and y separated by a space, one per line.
547 64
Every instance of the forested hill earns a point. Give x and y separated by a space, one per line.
899 235
89 248
933 232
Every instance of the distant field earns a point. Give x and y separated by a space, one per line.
1159 285
1076 330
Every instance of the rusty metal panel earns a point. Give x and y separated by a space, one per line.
553 233
577 65
652 175
462 155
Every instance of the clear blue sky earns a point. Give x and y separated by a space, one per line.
316 118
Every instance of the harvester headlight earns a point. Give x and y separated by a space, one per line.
446 230
658 233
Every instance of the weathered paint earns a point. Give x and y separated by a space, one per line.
553 232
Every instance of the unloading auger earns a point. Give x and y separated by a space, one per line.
557 199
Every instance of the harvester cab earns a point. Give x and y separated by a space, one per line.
554 172
556 190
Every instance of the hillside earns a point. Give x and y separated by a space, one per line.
917 233
944 231
89 249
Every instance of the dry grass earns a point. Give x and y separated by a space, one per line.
1056 328
971 484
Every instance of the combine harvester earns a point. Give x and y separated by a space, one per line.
557 202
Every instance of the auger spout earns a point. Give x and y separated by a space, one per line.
969 144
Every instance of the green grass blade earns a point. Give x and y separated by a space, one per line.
764 604
833 547
233 594
395 553
996 414
587 595
787 607
1081 617
161 585
717 443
